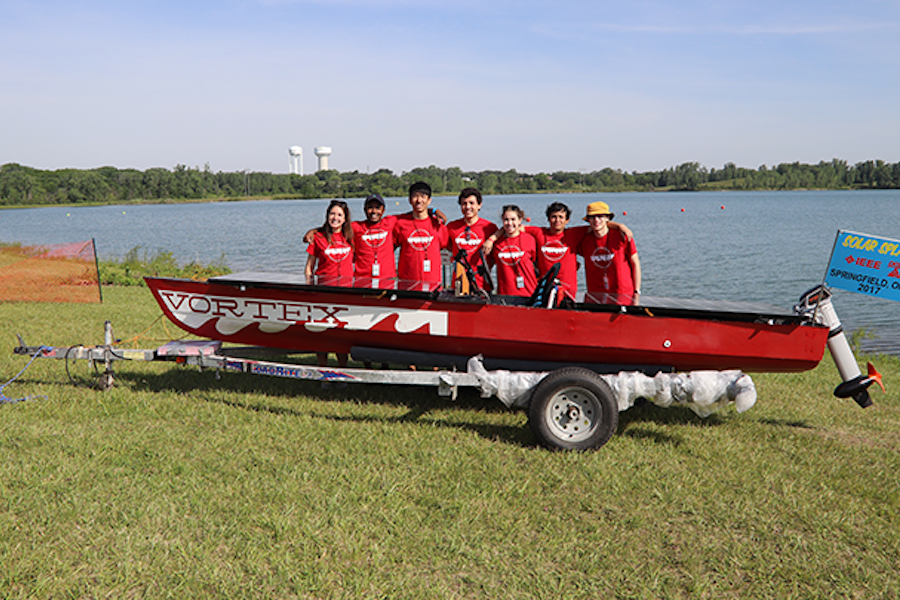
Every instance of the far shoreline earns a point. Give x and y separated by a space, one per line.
266 198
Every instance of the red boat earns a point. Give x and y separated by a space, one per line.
283 311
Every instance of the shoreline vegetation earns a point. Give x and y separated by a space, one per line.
22 186
130 271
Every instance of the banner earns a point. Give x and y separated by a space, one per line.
865 264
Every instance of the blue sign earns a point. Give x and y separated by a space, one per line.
865 264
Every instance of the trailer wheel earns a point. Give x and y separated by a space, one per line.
573 409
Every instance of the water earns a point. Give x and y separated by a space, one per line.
757 246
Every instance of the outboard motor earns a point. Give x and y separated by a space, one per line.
817 304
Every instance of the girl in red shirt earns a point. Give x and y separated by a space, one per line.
331 256
515 256
331 250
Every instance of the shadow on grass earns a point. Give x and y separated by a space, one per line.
784 423
658 437
643 422
418 401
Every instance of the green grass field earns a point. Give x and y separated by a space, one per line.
175 484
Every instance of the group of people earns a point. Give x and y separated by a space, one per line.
361 253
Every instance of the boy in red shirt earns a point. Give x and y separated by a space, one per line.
469 232
420 238
611 265
374 256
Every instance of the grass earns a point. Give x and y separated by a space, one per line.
175 484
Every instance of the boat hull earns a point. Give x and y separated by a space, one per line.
320 319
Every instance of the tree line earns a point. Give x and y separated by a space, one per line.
22 185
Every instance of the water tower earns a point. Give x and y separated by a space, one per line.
295 165
323 152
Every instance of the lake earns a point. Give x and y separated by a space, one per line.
757 246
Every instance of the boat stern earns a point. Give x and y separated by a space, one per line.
816 304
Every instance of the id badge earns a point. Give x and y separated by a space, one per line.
520 282
376 270
426 266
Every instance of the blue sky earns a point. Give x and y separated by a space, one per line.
527 85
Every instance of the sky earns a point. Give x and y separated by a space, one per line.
637 85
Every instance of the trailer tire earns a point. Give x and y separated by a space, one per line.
573 409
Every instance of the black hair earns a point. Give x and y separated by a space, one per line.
470 191
420 186
559 207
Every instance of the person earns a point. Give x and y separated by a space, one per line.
420 238
515 255
611 264
330 256
469 232
374 247
558 243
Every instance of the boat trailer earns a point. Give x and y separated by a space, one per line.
570 407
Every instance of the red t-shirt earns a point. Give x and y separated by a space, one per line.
333 260
559 248
470 238
515 260
420 242
607 263
374 245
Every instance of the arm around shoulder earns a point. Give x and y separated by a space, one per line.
626 231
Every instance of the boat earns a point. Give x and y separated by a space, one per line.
400 323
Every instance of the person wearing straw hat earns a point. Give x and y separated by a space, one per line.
611 264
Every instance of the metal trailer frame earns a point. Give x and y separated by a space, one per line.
208 354
570 408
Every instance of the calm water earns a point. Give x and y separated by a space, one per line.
759 246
